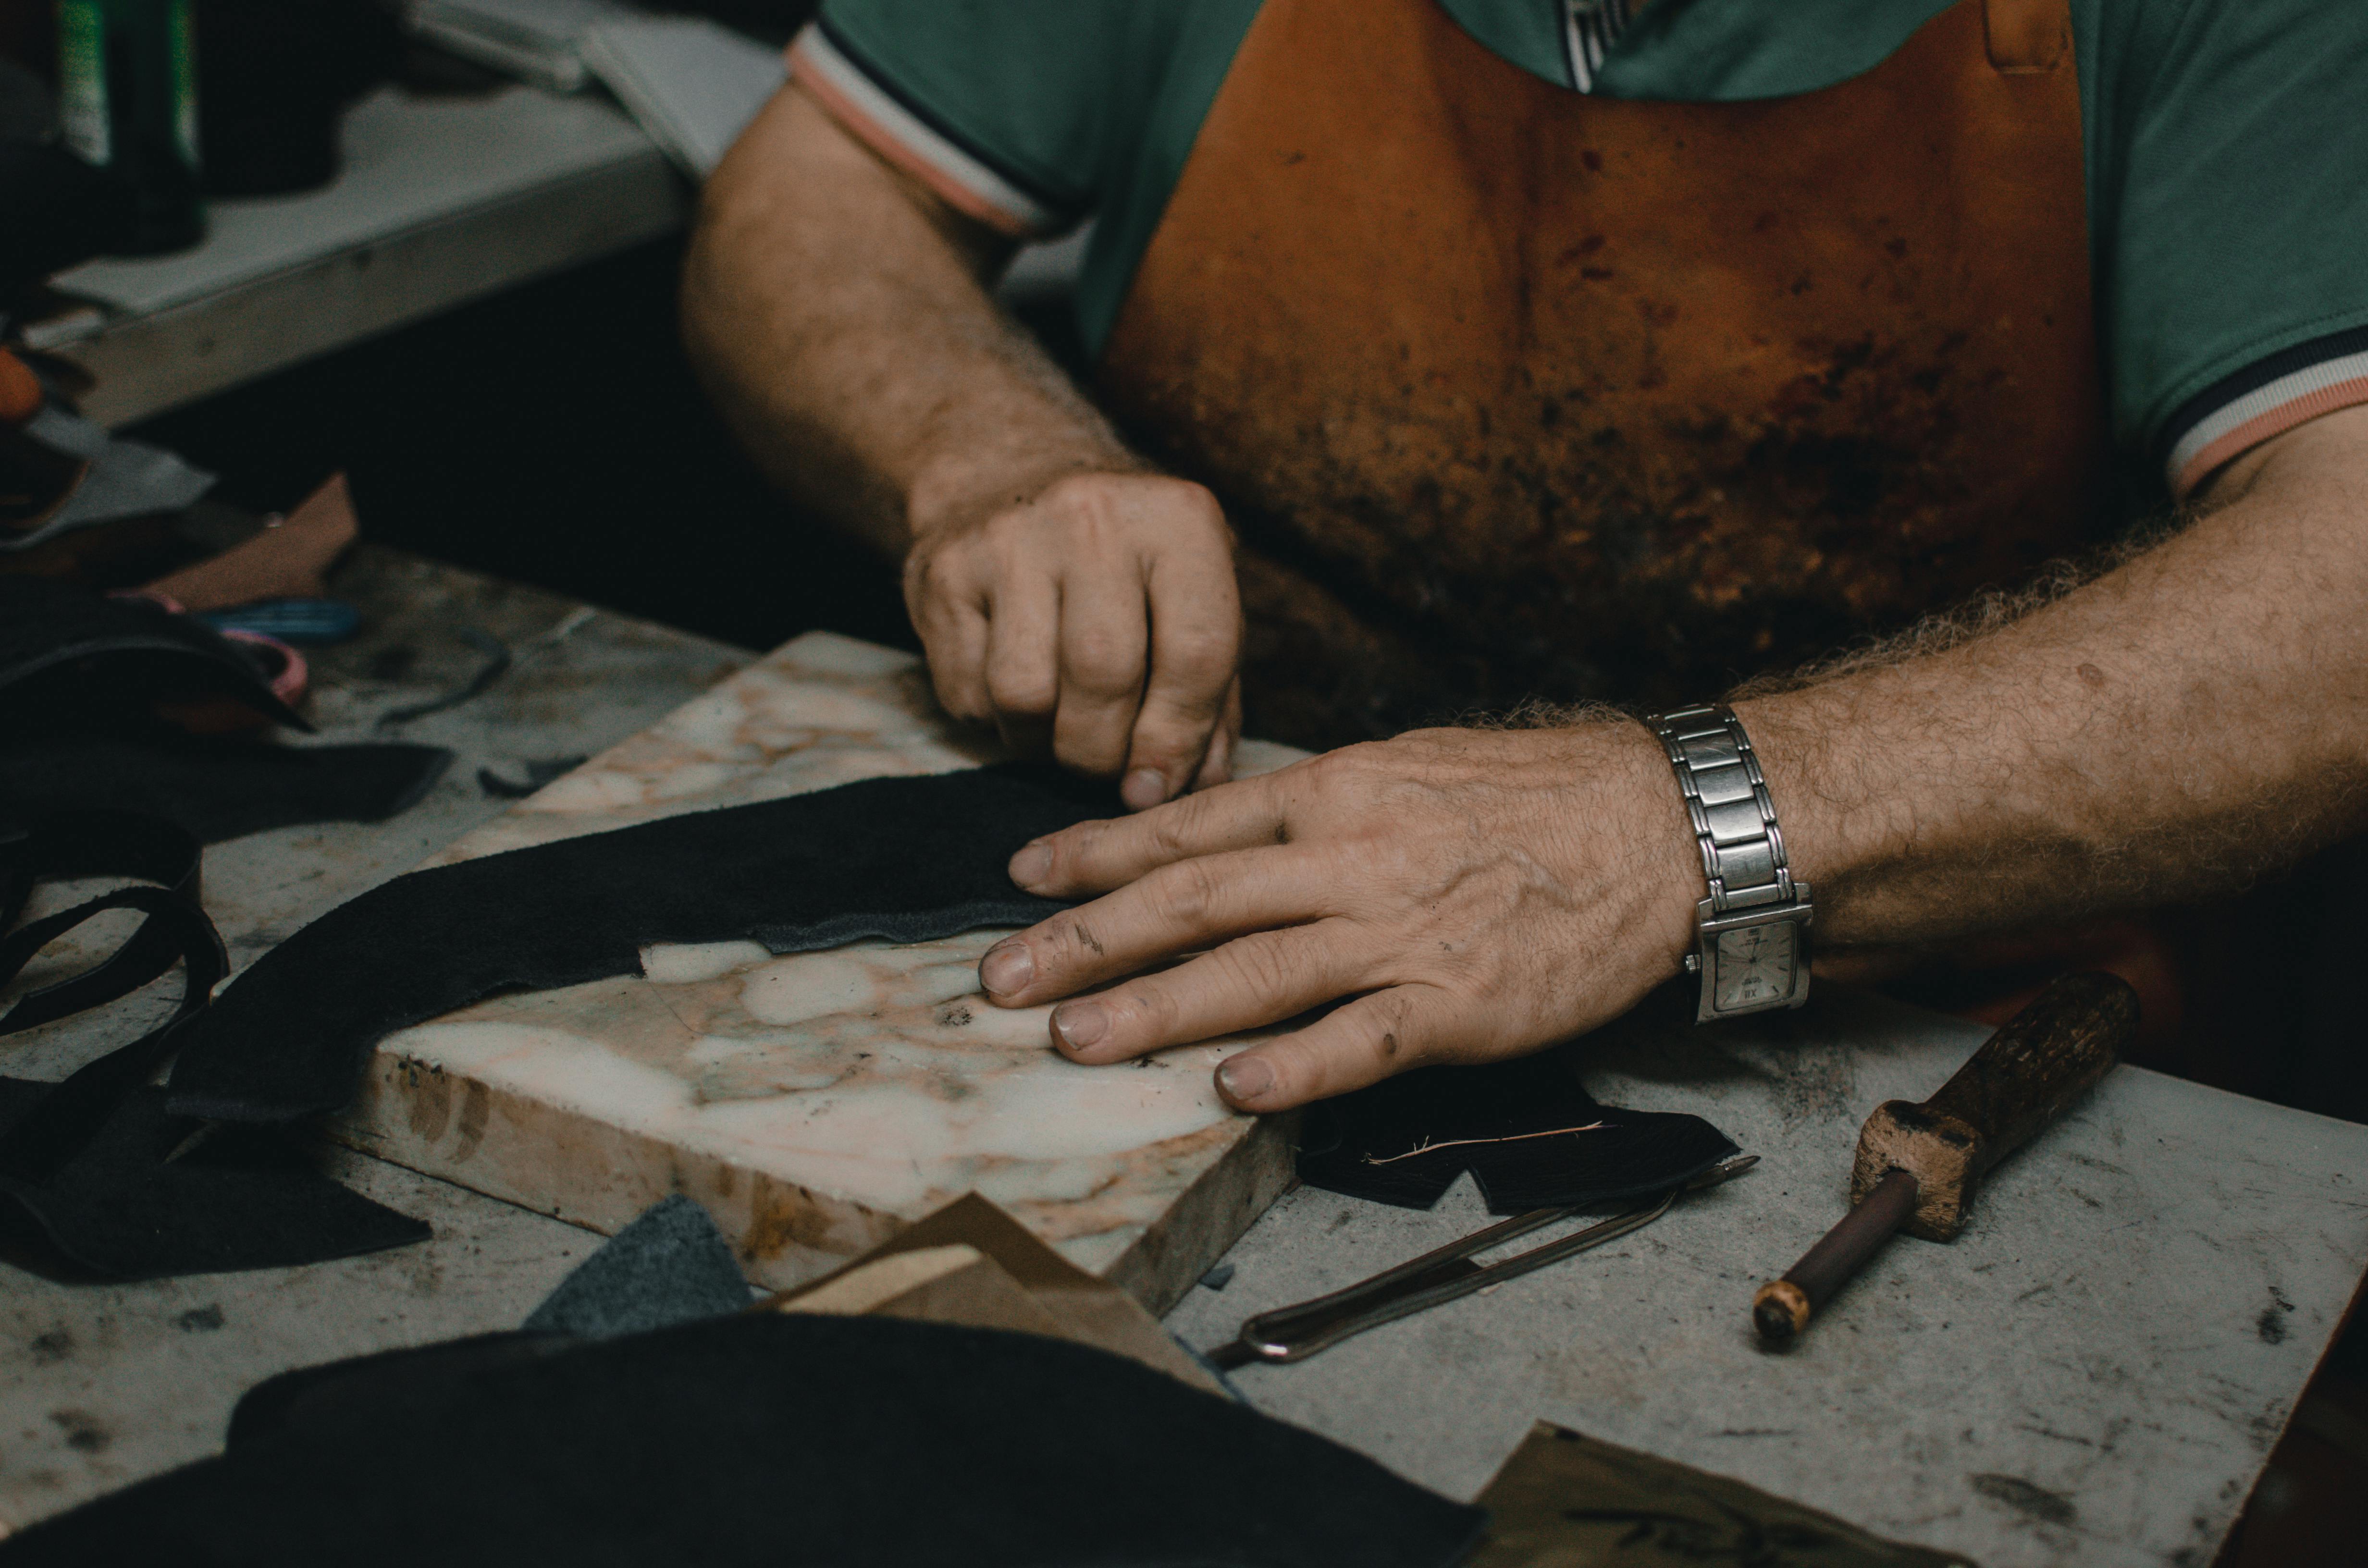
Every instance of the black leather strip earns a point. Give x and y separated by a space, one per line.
119 1186
70 1115
91 844
907 859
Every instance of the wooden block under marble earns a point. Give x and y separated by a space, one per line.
815 1103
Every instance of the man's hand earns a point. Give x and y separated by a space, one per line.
1095 614
1477 894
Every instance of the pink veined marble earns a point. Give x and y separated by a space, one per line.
817 1101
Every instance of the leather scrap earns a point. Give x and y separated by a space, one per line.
901 859
671 1265
762 1439
289 560
95 1165
74 662
141 1201
1531 1137
92 844
1567 1498
217 789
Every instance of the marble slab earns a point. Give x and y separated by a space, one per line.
817 1102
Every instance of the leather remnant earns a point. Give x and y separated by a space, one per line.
114 1184
901 859
1529 1133
783 1440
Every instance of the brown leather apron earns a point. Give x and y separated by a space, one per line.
1514 392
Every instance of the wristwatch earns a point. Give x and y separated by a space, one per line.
1753 952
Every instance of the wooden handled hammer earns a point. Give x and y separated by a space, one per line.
1918 1165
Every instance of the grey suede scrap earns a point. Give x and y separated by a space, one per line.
671 1265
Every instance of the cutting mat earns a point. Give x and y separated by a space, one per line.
818 1102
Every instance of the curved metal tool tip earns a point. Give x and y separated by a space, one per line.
1726 1170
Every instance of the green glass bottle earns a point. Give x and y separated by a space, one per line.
128 103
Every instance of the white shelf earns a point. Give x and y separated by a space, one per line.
439 199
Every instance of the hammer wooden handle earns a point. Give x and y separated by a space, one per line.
2024 1078
1917 1165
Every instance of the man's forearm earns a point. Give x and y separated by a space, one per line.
1063 591
2172 728
839 321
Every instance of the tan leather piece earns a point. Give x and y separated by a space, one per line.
1569 396
290 560
2025 37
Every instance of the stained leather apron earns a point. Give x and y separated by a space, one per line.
1514 392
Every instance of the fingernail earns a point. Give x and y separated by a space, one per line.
1244 1078
1142 789
1006 968
1032 865
1081 1024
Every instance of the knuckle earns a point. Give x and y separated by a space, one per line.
1173 827
1014 531
1084 512
1330 781
939 569
920 568
1022 693
1199 501
1262 964
1083 492
1388 1025
1101 660
1182 894
1384 859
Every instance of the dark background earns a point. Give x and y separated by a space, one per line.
551 435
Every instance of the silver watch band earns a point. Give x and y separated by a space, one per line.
1753 928
1742 849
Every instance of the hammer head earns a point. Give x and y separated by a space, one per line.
1944 1155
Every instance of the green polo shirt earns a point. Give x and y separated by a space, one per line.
2227 147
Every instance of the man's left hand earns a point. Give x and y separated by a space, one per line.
1474 893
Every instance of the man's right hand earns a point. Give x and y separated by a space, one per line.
838 308
1096 616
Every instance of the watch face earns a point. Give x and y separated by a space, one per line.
1755 966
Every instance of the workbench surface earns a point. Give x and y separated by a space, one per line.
103 1384
2094 1373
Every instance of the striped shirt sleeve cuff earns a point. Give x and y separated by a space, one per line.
2265 399
902 131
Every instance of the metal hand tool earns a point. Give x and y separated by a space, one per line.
1297 1332
1917 1165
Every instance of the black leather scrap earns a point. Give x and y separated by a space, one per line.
93 844
761 1439
74 662
69 1115
903 859
216 788
94 1165
154 1195
83 681
1405 1139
